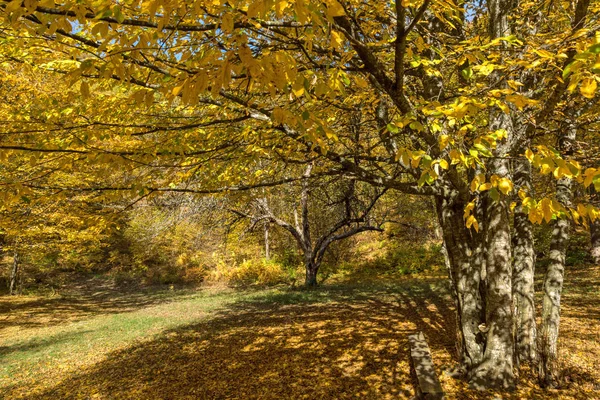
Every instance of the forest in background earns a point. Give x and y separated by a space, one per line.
184 240
181 239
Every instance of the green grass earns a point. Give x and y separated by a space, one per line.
35 351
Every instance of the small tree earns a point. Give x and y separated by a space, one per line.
341 209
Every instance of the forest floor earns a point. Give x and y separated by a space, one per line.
342 340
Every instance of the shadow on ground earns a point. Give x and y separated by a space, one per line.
337 342
341 343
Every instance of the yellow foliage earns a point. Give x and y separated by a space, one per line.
259 271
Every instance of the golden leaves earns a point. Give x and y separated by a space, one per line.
592 175
521 101
588 87
479 184
550 161
84 87
227 24
280 7
470 220
443 141
505 185
334 9
337 40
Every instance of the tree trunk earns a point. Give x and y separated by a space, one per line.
553 281
523 272
311 271
595 241
267 250
496 369
460 244
14 273
595 228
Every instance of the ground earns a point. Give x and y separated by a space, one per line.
343 340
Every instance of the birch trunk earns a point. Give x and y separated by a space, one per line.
465 276
523 272
553 281
595 229
267 244
496 368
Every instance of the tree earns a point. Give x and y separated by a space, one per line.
595 233
351 208
447 93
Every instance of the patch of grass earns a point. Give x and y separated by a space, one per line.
28 354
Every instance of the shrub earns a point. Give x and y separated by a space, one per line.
402 257
251 271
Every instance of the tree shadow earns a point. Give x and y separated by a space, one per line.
336 342
339 341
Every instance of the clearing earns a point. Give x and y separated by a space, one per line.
343 340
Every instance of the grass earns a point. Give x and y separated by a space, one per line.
43 351
344 340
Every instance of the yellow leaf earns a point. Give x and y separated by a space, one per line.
479 179
474 185
335 9
535 216
505 185
592 213
280 7
588 87
589 174
444 164
227 23
85 89
471 221
522 194
444 139
298 87
546 208
405 158
575 215
177 90
336 40
469 207
455 156
520 101
547 165
415 161
485 186
581 209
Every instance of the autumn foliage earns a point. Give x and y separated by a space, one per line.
318 119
